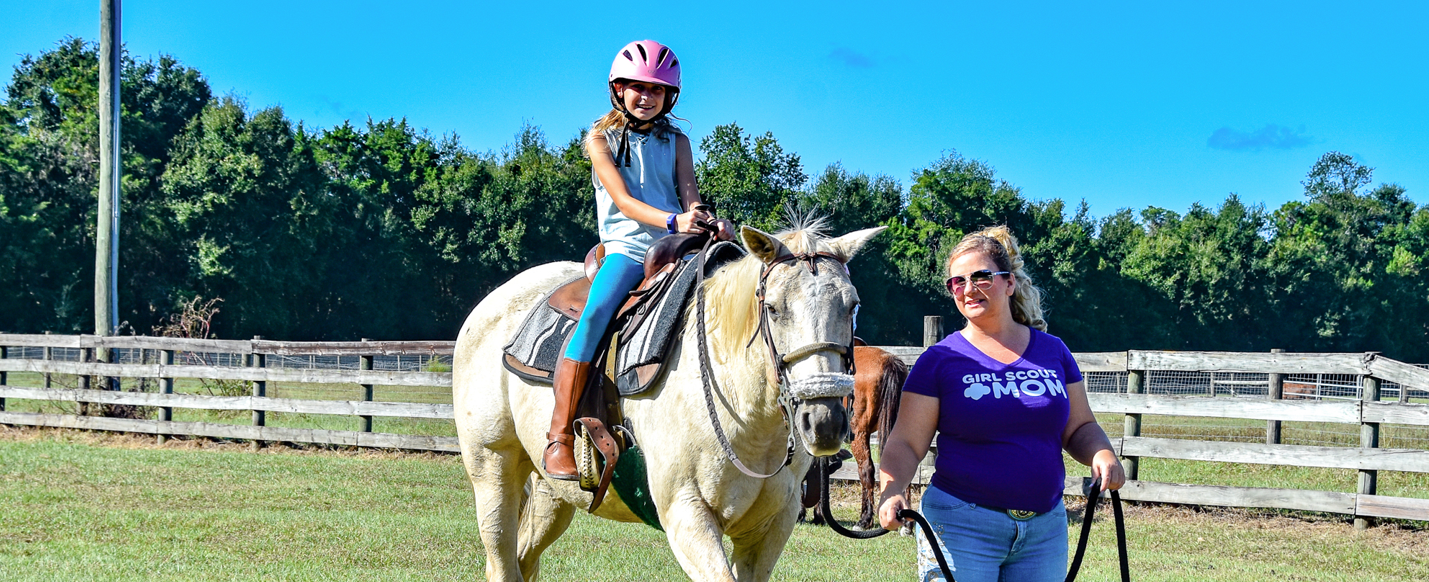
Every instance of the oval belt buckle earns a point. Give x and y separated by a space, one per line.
1021 514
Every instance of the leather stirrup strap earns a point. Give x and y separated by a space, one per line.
609 451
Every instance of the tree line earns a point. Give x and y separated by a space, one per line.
379 229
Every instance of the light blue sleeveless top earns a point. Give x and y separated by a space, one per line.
650 179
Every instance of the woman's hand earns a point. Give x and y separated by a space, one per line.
1108 467
888 512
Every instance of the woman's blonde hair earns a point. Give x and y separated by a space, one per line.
998 243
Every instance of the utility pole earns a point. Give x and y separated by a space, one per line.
106 254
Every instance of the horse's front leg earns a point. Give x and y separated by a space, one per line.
695 537
755 553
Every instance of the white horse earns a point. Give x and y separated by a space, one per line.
699 495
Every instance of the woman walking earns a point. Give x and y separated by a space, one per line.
1005 399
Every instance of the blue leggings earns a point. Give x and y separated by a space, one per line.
617 277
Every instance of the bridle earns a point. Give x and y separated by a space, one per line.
780 361
790 394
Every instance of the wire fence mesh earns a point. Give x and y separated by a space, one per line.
394 363
1250 385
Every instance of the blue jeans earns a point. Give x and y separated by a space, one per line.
617 277
984 545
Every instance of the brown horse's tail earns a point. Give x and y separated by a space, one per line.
890 391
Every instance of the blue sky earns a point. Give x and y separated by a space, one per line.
1120 104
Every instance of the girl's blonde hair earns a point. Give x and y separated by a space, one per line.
998 243
616 119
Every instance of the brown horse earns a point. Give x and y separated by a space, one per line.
877 387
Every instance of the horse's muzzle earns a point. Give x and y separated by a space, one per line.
820 417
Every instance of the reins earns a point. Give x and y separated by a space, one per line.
933 539
707 377
780 361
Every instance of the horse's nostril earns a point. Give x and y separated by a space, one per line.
805 424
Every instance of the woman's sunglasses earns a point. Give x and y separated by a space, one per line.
980 279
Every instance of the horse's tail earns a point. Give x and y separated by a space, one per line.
890 391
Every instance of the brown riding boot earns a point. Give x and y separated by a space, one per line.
569 382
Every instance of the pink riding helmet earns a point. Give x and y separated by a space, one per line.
648 61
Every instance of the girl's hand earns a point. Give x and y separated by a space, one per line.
1108 467
687 222
695 221
726 229
888 512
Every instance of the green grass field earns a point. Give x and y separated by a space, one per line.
82 506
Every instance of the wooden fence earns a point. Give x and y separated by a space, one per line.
1133 402
254 353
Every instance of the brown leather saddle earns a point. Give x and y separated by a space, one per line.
660 261
598 411
570 298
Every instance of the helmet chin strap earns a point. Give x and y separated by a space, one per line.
622 156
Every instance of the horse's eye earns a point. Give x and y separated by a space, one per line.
772 311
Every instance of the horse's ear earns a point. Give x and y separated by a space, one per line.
848 245
762 244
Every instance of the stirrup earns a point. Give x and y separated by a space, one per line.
587 469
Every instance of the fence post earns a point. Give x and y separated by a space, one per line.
932 330
1135 384
4 353
166 386
366 389
86 355
1275 392
1369 439
1403 394
49 355
932 334
260 390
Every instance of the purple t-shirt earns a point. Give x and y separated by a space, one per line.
999 425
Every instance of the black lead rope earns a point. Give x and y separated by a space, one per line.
930 536
938 546
1087 530
858 534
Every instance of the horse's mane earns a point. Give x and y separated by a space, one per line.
730 295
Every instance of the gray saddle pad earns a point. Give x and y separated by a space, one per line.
539 343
